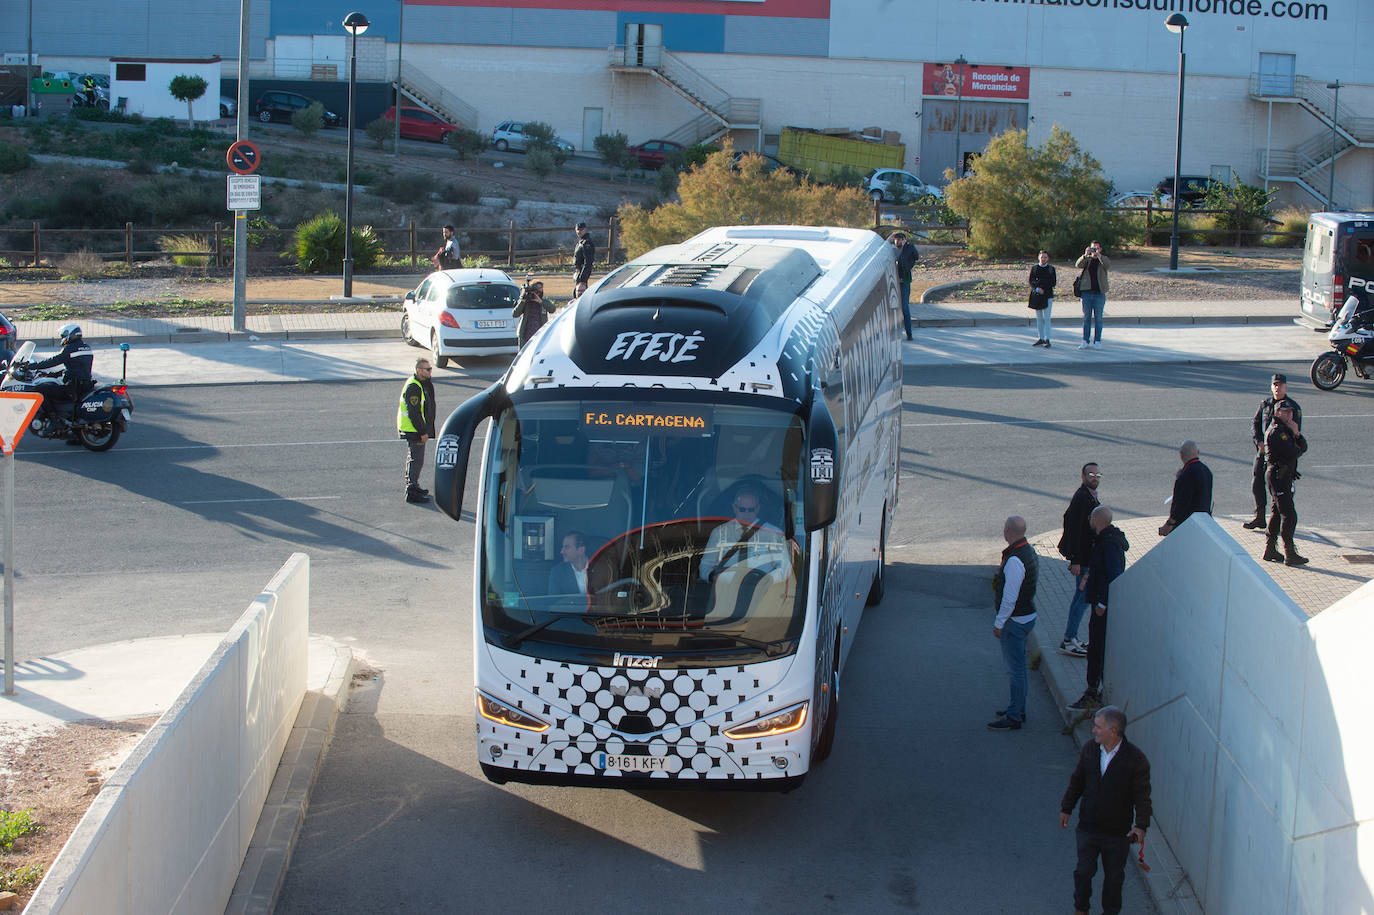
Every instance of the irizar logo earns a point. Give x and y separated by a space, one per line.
636 660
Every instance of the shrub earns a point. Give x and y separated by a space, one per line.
695 156
849 176
263 233
714 194
1241 207
309 119
82 265
380 130
15 824
406 188
461 192
541 161
665 181
614 149
540 137
13 158
1025 197
466 142
320 245
178 245
1291 220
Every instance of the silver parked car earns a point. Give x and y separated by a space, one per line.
511 135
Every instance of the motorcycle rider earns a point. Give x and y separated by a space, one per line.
1259 428
76 358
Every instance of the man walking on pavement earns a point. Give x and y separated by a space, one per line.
1259 427
1283 445
583 257
1113 780
415 424
1014 585
1076 546
907 256
1108 560
1192 488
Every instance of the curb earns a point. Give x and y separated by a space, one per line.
283 814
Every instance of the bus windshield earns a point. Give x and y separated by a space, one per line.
647 526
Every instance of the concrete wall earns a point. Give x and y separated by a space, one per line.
150 96
169 830
1256 722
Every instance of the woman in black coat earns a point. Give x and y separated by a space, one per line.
1042 280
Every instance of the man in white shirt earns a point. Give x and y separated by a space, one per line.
570 576
743 537
1014 586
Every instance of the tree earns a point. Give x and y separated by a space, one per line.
308 119
715 194
380 130
540 136
466 142
187 89
1023 198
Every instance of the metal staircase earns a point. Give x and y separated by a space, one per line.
1308 165
430 94
721 112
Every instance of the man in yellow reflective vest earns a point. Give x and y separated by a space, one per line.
415 423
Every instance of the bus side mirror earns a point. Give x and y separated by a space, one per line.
455 443
822 482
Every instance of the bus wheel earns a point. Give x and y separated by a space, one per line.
875 590
827 739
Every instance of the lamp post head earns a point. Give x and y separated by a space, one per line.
356 23
1176 22
1335 85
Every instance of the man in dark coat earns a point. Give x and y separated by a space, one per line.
415 424
1192 488
1259 427
1283 445
584 255
1076 546
1108 560
907 256
1113 781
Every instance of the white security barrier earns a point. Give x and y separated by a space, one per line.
1256 722
169 830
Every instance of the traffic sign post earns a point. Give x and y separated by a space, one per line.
16 412
243 159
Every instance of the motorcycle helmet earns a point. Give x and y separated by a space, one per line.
70 333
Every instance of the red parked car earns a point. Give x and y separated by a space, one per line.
653 153
419 124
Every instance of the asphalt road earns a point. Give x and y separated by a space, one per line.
177 528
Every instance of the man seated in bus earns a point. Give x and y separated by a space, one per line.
570 576
743 536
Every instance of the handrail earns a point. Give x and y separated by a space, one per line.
431 92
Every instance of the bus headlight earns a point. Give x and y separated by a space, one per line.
780 722
494 710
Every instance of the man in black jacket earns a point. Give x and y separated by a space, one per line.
1192 488
1283 445
1076 546
415 424
1107 561
76 359
1113 780
1259 427
584 255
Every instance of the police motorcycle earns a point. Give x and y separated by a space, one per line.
96 419
1352 344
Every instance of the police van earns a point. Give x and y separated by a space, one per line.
1337 257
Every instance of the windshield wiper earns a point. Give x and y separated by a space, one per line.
512 641
769 648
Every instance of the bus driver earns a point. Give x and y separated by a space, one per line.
736 539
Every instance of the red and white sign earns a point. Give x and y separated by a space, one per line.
979 81
16 411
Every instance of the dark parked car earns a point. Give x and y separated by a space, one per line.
770 164
654 153
278 106
1194 189
9 340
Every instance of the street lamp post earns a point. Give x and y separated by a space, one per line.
356 23
400 34
958 123
1177 23
1335 110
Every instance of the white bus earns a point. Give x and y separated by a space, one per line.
714 429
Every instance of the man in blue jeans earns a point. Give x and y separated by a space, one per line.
1014 585
1092 285
907 256
1076 546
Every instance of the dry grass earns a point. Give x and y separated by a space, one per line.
82 265
178 247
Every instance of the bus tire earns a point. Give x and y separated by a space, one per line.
875 590
826 742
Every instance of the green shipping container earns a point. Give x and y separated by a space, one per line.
822 155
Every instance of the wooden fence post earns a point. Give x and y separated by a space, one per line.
412 243
218 261
35 243
510 250
610 241
128 244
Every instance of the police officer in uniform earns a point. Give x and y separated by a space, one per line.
1259 428
415 423
76 358
1283 445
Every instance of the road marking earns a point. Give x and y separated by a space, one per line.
1098 422
1337 466
274 499
480 436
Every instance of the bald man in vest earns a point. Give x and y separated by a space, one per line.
415 424
1014 585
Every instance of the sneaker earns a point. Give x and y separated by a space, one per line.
1097 344
415 497
1038 343
1047 344
1073 648
1090 700
1004 724
1002 713
1083 345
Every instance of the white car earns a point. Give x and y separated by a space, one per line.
882 184
511 135
462 313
